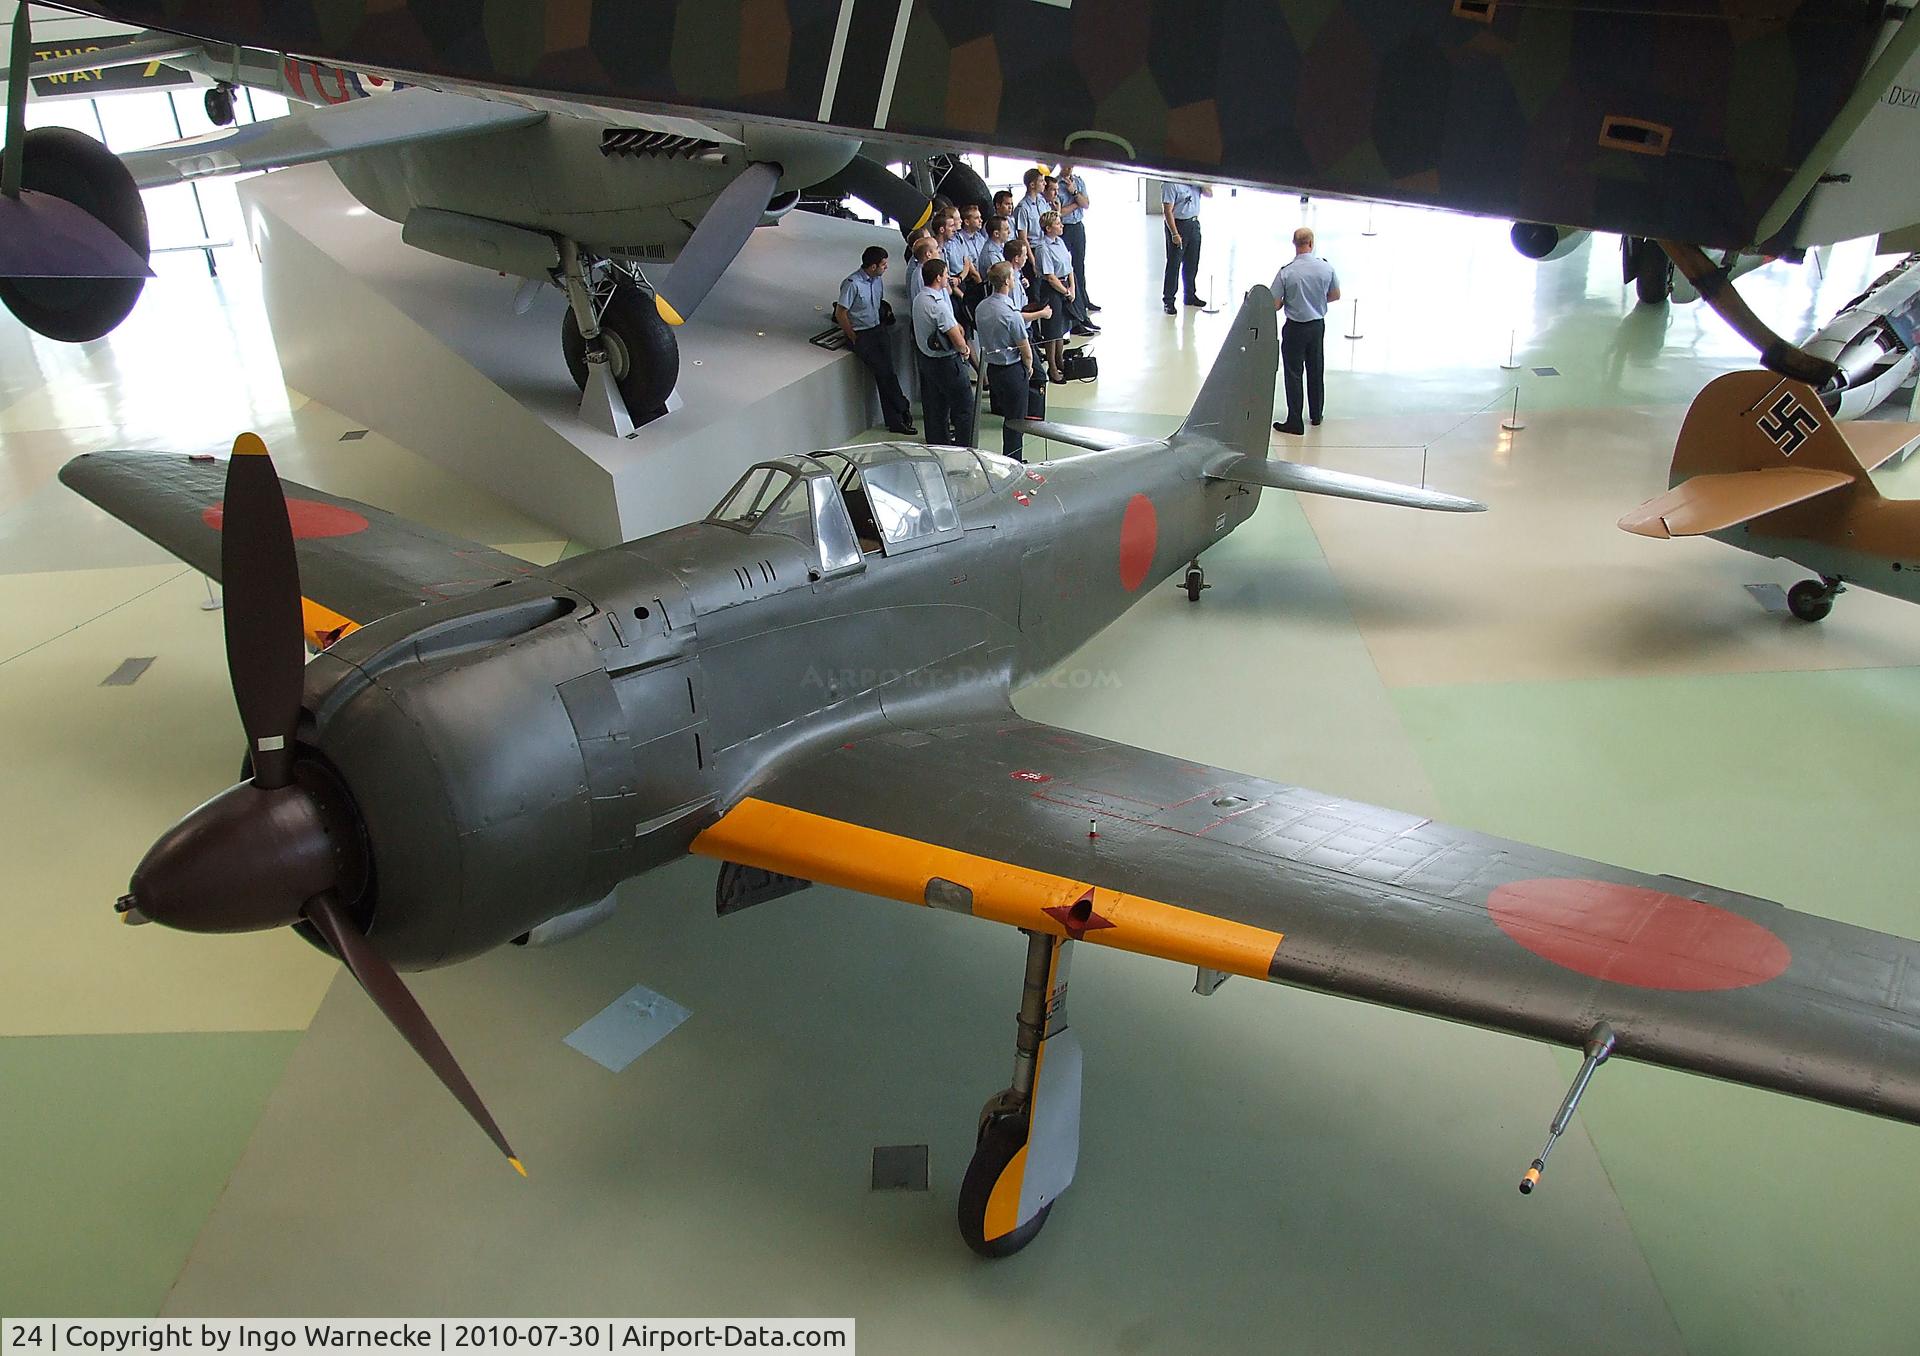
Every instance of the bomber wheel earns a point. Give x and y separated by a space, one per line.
641 349
1652 272
1809 600
67 164
1000 1140
219 105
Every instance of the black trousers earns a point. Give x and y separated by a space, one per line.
1303 346
1008 383
1183 258
946 400
1075 234
871 347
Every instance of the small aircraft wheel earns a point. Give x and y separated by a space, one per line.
1652 272
1194 583
999 1142
219 103
641 349
1809 600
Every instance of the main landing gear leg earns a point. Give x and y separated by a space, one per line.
1029 1139
601 404
1812 599
1195 581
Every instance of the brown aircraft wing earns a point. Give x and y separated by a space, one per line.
1067 834
1713 503
357 563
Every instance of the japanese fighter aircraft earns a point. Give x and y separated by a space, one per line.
813 684
1761 465
1758 126
587 199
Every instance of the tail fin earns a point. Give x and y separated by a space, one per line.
1235 406
1761 421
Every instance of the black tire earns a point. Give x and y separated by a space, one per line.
219 105
640 345
1809 600
63 163
1194 583
998 1143
962 186
1652 273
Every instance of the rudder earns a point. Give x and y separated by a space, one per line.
1759 421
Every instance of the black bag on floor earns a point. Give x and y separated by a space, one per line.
1079 364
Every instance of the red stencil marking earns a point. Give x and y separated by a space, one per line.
1631 935
1139 534
309 517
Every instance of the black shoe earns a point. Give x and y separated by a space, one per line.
905 430
1294 427
1092 307
1315 421
1084 331
1171 310
1195 301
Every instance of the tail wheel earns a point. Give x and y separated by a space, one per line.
1810 600
1003 1136
641 351
219 105
67 164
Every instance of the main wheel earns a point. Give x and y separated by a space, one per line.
641 350
1652 272
1003 1136
219 105
1810 600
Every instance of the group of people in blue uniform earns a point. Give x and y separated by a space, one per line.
1008 286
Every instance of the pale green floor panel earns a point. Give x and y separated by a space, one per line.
1772 1225
115 1148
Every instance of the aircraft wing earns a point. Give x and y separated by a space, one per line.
1713 503
357 563
320 133
1019 822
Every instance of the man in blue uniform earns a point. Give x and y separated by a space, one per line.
1026 212
1074 202
1180 206
1002 333
1303 289
857 313
946 396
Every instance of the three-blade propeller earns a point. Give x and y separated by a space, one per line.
284 847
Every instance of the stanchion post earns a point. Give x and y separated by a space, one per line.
1353 330
1510 365
1513 423
1369 231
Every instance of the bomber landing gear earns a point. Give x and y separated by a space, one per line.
1811 599
219 104
619 349
1029 1140
1195 581
1644 264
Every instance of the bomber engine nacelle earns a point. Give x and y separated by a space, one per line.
1541 242
72 274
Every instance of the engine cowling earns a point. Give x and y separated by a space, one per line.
70 165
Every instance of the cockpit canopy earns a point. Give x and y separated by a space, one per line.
852 502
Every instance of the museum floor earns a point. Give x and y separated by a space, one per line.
225 1126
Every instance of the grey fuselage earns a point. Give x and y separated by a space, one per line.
517 753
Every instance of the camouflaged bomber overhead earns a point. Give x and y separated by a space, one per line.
1488 106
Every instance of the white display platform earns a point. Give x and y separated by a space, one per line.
430 353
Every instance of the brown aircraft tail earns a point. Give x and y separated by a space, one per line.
1754 443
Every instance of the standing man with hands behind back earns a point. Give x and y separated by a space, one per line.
1303 289
1180 205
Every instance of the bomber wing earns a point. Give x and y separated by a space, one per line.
1067 834
322 132
357 563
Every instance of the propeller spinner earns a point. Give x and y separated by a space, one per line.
285 847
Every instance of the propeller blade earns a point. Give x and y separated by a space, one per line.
391 995
885 192
717 240
265 654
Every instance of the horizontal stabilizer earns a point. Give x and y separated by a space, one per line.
1276 474
42 236
1878 441
1077 435
405 117
1713 503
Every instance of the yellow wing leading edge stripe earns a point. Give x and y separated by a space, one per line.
833 852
